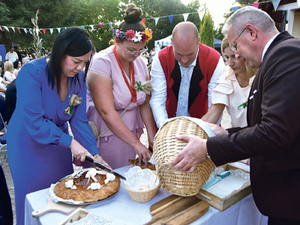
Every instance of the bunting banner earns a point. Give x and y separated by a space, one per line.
275 4
185 16
171 19
156 19
235 8
255 4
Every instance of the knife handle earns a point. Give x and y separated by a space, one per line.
224 174
89 159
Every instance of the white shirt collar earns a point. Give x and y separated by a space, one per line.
267 46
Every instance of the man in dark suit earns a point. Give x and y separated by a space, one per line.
272 138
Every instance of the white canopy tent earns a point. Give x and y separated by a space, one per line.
159 44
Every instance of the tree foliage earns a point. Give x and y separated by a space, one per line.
163 9
67 13
207 31
218 31
245 2
52 14
100 12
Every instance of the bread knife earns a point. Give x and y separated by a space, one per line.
217 179
104 167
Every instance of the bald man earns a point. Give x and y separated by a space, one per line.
183 75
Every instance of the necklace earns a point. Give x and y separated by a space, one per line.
131 76
242 82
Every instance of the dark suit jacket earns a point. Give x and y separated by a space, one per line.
272 138
11 99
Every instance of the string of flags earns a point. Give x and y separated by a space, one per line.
256 5
92 26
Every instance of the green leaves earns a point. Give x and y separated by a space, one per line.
207 31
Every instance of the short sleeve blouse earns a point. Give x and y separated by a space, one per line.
231 94
105 62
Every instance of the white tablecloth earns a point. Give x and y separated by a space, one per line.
121 207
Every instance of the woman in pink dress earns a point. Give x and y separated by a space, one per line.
118 110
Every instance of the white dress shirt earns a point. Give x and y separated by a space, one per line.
159 88
11 56
8 76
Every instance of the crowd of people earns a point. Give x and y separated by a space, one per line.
106 99
9 69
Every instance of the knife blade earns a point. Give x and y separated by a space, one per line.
217 179
104 167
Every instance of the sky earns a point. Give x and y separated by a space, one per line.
217 8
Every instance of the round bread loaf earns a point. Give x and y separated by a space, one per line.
82 187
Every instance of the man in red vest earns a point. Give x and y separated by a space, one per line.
183 75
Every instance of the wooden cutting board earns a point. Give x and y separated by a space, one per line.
177 210
55 207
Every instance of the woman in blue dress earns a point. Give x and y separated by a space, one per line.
40 147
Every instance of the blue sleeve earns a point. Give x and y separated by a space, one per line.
79 123
29 98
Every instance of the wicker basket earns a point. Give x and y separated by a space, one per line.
143 195
166 147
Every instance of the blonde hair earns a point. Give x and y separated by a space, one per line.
8 66
250 71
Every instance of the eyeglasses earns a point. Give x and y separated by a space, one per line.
233 46
133 52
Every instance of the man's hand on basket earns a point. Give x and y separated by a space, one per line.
193 153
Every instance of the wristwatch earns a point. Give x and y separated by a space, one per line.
97 155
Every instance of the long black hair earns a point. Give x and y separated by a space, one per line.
74 41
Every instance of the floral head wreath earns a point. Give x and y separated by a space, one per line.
135 36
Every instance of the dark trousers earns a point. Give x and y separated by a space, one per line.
6 216
280 221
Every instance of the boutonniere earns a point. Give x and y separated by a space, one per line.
145 87
244 105
75 100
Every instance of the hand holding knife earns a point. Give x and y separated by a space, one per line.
104 167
